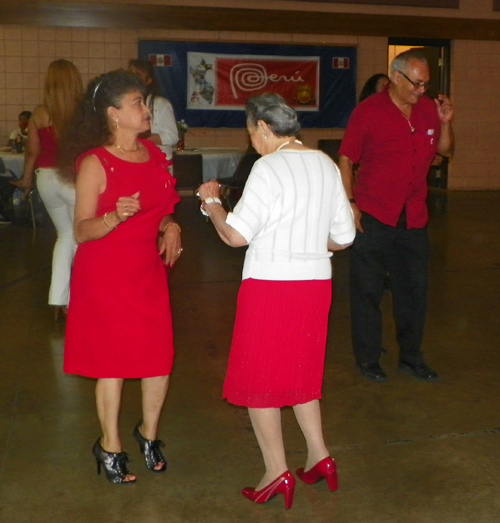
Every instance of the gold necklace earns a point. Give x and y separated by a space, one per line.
126 150
286 143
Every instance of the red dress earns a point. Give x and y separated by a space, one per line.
119 320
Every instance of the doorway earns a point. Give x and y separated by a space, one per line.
437 53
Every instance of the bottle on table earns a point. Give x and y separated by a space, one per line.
19 143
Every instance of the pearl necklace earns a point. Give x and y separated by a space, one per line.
126 150
286 143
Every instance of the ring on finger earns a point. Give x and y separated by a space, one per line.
179 252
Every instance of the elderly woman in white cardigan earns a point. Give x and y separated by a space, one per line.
292 215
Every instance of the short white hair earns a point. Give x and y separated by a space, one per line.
403 59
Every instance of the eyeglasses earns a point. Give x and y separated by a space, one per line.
416 85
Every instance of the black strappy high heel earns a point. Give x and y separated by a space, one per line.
151 450
114 463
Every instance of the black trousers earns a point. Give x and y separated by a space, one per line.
403 254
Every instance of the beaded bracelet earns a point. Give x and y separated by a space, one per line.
172 223
106 223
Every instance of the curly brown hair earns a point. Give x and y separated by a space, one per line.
89 127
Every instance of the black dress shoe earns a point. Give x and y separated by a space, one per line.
372 372
420 370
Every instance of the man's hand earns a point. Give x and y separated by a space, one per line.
444 108
357 214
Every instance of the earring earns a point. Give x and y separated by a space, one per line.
116 123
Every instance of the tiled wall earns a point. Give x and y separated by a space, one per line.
475 89
25 53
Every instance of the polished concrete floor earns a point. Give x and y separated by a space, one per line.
407 452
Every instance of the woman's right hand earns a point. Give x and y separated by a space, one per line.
127 206
209 189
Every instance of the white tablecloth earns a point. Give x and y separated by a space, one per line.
14 162
218 162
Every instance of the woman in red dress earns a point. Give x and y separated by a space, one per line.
119 321
293 211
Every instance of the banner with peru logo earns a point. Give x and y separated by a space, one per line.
225 82
209 83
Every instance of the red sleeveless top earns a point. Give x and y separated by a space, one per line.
48 146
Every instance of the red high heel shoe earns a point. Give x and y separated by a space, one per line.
326 468
284 484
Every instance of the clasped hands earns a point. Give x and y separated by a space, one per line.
206 190
209 189
168 242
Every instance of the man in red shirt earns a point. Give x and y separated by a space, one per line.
393 136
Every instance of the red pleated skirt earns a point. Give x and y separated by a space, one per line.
278 349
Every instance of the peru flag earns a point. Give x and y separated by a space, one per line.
161 60
339 62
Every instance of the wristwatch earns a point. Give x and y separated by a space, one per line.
208 201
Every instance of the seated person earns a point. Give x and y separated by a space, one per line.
20 135
239 178
375 84
6 192
242 171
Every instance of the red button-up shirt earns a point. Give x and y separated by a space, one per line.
394 155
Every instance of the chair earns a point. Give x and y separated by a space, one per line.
234 185
6 191
4 171
188 171
331 148
16 207
33 198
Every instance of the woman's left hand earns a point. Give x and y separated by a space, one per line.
209 189
21 184
169 244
